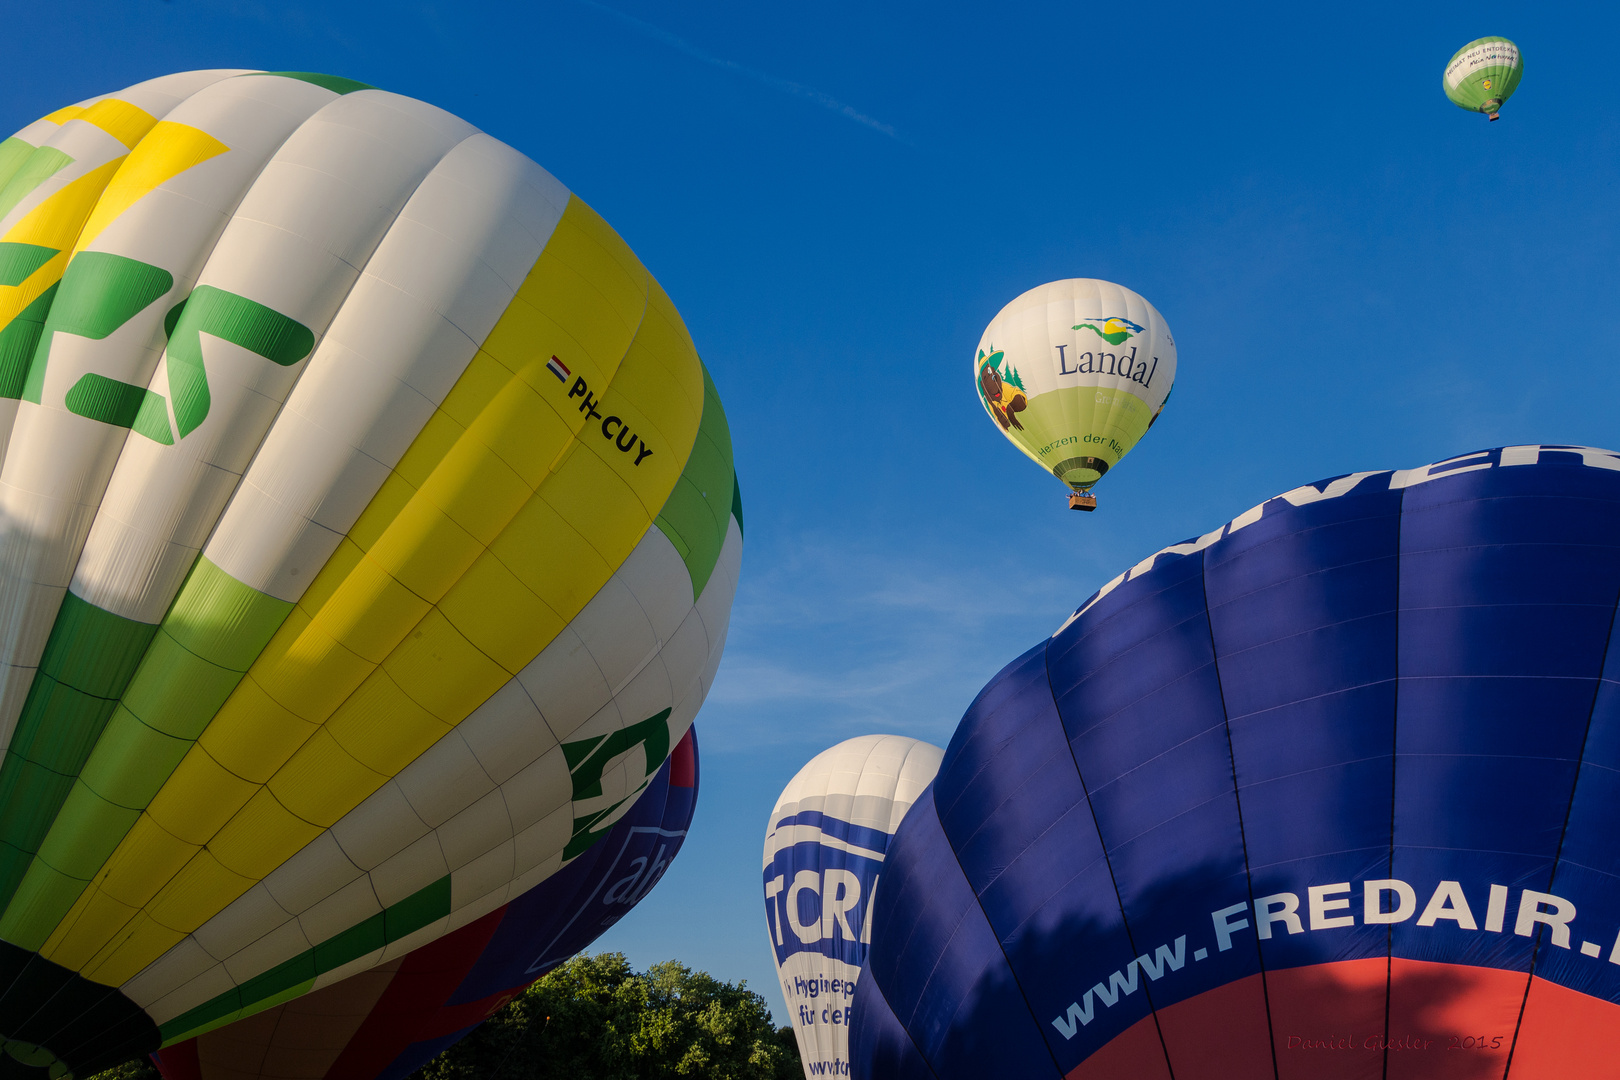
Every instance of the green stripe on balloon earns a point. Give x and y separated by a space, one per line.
694 516
588 757
13 152
19 261
100 292
293 977
211 635
39 166
121 404
88 660
20 339
232 318
335 83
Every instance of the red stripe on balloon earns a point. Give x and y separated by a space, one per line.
412 1002
1440 1013
1564 1034
683 762
179 1062
1227 1039
1135 1052
1446 1022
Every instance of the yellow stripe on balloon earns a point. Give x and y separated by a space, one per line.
144 937
254 754
168 150
54 223
507 514
263 835
116 907
208 784
125 122
64 114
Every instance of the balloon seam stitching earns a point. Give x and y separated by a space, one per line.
1569 809
1237 797
1085 788
1394 761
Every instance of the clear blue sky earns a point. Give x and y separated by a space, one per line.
839 196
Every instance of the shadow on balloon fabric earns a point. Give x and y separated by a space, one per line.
1365 1019
1327 791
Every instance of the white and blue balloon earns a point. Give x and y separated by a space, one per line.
824 849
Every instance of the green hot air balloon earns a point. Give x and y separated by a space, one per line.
1483 74
368 534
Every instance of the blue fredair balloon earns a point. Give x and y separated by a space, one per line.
1331 791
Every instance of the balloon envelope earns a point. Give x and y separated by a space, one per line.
824 850
368 532
1483 74
1327 792
387 1022
1074 373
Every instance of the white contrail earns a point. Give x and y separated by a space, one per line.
787 86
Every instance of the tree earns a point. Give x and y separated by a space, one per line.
139 1069
596 1018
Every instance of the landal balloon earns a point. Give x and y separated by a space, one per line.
1074 373
1326 793
369 537
824 851
1483 74
390 1020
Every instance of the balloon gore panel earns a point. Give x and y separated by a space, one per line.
387 1022
1323 793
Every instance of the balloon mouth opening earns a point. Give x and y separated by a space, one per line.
25 1059
1080 472
1491 108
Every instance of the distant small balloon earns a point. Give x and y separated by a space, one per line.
824 852
1483 74
1074 373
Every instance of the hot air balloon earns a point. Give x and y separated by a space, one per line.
824 849
1327 792
1074 373
387 1022
1483 74
368 534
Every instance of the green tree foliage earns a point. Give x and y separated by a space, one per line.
139 1069
596 1018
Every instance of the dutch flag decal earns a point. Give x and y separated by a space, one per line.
558 368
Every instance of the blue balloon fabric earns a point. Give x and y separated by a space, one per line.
1328 792
823 862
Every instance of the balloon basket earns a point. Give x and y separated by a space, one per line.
1078 501
1493 117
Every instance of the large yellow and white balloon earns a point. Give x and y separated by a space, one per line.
368 534
1074 372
